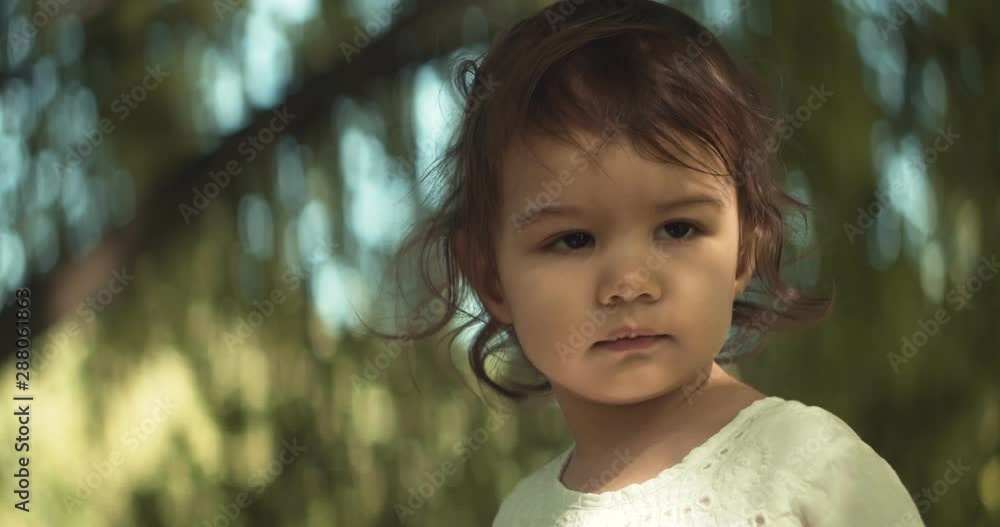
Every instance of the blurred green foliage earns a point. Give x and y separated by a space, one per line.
180 397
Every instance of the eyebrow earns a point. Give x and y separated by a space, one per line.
554 210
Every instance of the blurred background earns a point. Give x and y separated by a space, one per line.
200 197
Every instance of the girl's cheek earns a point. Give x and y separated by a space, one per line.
543 287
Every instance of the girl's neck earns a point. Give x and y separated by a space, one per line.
659 431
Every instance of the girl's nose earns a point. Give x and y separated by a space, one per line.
632 283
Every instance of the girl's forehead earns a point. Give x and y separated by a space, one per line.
545 165
608 146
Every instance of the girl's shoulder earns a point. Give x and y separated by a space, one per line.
793 422
791 435
835 477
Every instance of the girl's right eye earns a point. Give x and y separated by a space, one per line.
573 240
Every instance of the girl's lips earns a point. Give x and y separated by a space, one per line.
632 344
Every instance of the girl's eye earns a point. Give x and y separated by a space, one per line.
573 240
679 230
676 230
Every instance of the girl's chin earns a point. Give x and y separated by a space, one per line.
622 395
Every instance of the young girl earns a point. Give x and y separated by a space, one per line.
608 200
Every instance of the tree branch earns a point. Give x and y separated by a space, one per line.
159 216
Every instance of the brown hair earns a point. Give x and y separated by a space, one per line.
571 68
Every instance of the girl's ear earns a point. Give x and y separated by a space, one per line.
483 281
495 303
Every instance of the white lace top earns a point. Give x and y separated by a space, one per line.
778 462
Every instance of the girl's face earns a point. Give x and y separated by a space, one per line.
582 254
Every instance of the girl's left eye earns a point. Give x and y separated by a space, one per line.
679 230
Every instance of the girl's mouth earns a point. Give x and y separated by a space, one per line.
631 344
